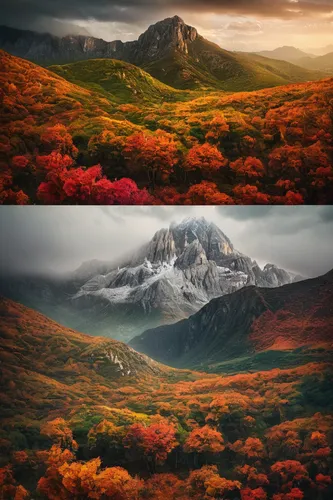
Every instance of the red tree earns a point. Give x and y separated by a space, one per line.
206 158
204 439
248 168
155 441
249 195
154 153
206 193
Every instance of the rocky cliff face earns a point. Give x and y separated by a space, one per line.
167 35
171 34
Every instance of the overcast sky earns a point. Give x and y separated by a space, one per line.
59 239
233 24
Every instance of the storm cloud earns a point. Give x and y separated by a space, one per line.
59 239
220 20
133 10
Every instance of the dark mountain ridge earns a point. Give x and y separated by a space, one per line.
247 321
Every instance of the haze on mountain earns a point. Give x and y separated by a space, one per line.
171 277
320 51
322 62
285 53
170 50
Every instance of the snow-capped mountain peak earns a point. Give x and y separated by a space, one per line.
177 272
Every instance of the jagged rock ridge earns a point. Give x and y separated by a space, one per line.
154 43
182 268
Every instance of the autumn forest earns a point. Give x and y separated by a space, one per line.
129 139
76 426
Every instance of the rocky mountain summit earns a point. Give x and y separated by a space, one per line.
182 268
170 50
169 34
170 278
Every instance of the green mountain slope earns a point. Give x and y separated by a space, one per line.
118 80
206 65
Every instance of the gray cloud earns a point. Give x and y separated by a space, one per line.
233 24
326 214
59 239
252 212
135 10
29 12
297 238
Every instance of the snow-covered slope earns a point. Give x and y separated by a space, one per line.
181 269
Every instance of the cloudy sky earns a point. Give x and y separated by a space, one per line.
233 24
59 239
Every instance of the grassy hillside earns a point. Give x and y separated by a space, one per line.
40 97
119 81
55 360
265 72
322 63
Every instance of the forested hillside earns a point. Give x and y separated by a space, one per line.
85 417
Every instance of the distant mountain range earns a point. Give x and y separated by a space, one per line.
181 269
169 50
322 62
286 53
321 51
294 319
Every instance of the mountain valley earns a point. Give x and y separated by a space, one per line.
79 413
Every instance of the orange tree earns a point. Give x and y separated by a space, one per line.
156 154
